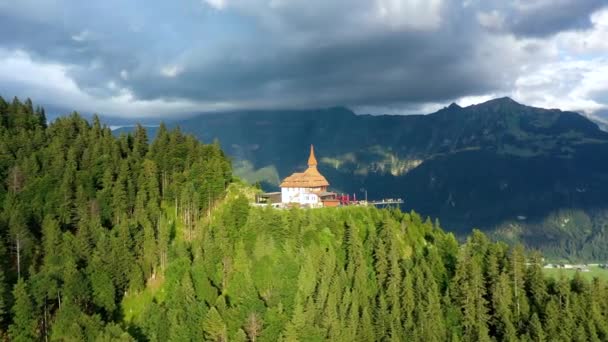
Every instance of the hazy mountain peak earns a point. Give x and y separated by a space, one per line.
472 166
501 101
506 99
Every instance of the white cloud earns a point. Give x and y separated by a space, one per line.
399 109
171 71
17 67
492 20
82 36
576 76
415 14
49 83
593 40
529 5
334 20
568 85
124 74
473 100
217 4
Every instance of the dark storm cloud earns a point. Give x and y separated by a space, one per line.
395 67
301 53
45 40
543 18
371 68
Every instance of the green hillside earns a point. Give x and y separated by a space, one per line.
110 238
500 166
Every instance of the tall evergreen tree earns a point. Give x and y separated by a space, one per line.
214 328
24 323
3 296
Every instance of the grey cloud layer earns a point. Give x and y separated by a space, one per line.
301 53
549 17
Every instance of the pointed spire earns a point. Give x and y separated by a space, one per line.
312 161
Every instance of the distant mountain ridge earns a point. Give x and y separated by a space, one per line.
499 165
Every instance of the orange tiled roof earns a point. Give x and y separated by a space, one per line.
311 178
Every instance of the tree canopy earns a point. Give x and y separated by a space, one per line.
118 238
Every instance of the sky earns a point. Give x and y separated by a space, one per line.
165 59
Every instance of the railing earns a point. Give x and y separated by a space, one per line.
386 201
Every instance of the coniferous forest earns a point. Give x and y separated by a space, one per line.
109 238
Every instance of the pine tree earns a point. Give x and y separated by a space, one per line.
3 285
596 300
517 268
381 326
67 190
76 288
535 283
214 328
552 320
184 312
380 263
120 197
566 323
3 113
140 142
470 294
535 329
408 305
101 284
502 301
20 238
24 321
253 326
51 240
163 241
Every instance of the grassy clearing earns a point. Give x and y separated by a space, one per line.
134 304
594 272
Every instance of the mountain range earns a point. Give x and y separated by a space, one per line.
521 173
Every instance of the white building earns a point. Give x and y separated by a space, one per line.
308 188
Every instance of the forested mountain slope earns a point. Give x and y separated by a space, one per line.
360 274
81 222
107 239
530 174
